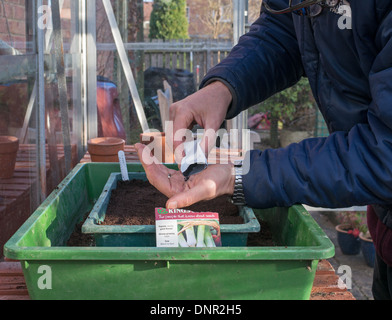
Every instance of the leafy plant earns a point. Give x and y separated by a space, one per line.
355 220
288 106
168 20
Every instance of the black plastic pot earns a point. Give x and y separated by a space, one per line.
368 250
349 244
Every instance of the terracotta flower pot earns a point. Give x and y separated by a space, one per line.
157 143
105 149
8 150
349 244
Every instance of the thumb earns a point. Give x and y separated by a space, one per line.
145 156
139 149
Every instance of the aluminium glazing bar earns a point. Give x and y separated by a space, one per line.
90 60
62 84
41 152
125 64
240 122
75 51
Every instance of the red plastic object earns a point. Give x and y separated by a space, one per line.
110 122
259 121
14 98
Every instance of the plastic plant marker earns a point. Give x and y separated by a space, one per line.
123 166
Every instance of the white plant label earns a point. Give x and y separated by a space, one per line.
123 165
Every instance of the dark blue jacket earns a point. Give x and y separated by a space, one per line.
350 72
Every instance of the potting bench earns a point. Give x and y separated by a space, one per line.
16 197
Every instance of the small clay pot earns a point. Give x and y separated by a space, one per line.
105 149
157 143
8 149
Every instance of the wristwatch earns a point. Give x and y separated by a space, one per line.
238 197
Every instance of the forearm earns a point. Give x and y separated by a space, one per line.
342 170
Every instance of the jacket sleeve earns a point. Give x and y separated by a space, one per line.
265 61
342 170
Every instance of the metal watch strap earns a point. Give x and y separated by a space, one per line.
238 197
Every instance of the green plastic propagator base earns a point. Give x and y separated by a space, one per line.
144 273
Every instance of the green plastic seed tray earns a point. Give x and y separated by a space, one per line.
54 270
144 235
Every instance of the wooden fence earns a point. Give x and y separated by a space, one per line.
194 56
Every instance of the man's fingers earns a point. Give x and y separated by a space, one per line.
145 155
208 141
153 171
167 181
179 154
187 198
139 149
182 122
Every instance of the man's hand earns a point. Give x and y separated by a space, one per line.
214 181
207 107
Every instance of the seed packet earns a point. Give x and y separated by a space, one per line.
185 228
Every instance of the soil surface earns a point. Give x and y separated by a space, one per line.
79 239
263 238
134 202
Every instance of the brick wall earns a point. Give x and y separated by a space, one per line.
13 22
